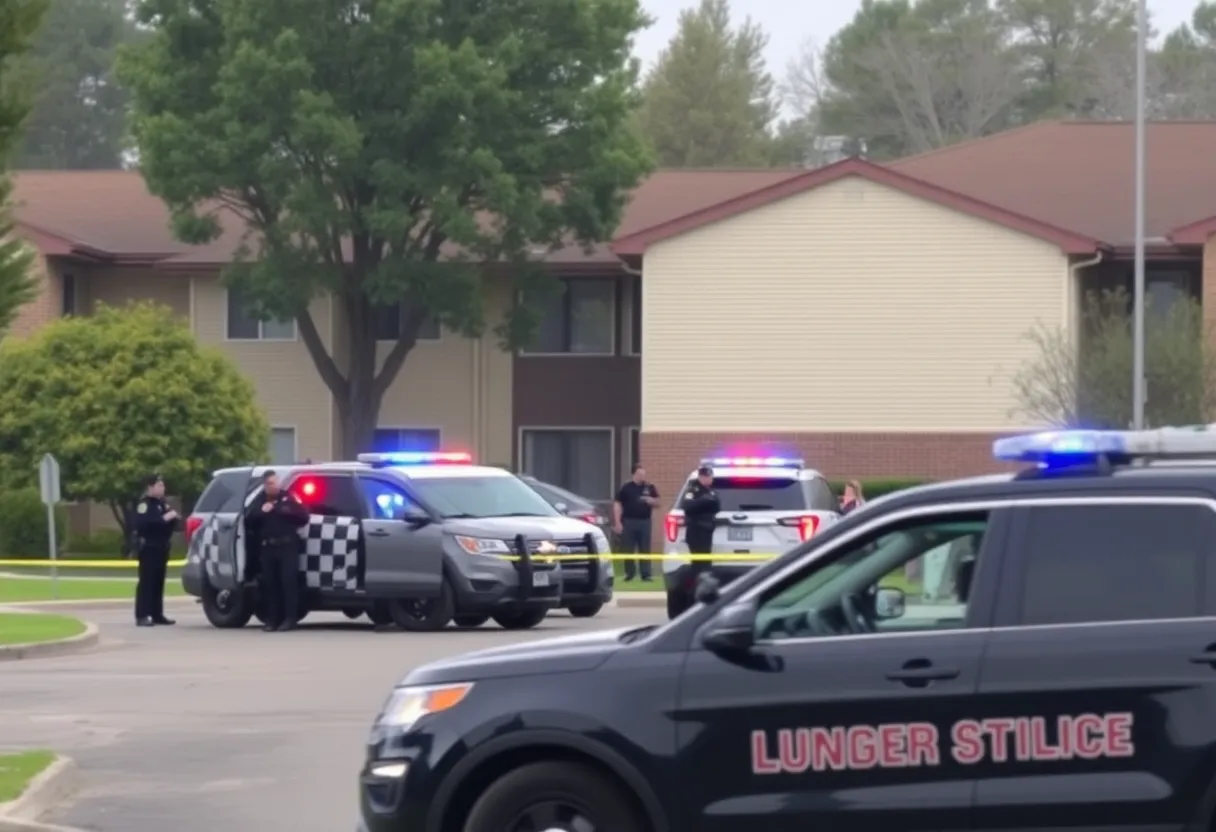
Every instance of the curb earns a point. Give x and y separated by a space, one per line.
638 600
40 650
50 788
84 602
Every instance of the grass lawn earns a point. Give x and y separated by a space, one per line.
174 572
27 590
655 584
17 770
31 628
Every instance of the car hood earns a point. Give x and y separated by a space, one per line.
564 654
532 528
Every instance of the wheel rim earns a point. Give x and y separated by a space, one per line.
418 609
552 816
223 600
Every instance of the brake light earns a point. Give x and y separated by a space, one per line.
307 489
592 518
671 526
192 525
806 525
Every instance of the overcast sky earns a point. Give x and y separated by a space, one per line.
790 24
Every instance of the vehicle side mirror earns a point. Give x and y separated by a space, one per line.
732 631
562 507
416 519
707 590
890 602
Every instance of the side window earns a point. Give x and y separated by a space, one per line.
328 494
386 500
222 493
820 496
1113 563
909 576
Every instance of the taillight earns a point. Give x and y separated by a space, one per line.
192 525
592 518
806 525
671 526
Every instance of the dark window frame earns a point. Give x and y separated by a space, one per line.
387 322
381 432
635 315
565 316
329 476
69 301
567 464
235 309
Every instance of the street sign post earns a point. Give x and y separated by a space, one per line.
48 483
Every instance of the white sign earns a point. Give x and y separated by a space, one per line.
48 480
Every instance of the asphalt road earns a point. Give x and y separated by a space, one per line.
195 729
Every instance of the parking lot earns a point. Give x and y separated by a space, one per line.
197 729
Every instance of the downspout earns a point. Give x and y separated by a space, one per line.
1076 309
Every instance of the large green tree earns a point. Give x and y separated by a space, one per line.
78 119
120 394
19 21
379 151
709 100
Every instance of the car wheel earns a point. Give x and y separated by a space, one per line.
427 615
379 615
520 620
471 620
678 603
543 796
353 614
225 608
589 609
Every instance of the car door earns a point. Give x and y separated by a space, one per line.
219 542
1103 661
404 558
831 727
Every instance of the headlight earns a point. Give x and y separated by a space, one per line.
602 547
405 706
483 545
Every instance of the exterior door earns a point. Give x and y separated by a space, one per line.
403 559
842 724
1100 676
221 539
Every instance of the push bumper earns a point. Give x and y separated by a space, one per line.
485 585
587 581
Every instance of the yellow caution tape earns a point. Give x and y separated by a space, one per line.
82 564
725 557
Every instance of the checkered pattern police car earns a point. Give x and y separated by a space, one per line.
417 540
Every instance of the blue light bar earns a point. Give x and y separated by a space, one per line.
1077 447
417 458
753 462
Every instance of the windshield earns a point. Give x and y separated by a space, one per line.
739 494
482 497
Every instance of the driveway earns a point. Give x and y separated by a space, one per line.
195 729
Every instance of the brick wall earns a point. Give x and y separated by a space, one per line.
669 457
43 309
1207 291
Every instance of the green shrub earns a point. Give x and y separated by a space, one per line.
103 543
23 524
878 487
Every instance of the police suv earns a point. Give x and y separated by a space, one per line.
415 539
1015 652
768 504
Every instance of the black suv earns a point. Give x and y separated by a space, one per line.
1015 652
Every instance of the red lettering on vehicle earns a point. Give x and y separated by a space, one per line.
1089 736
923 744
1040 749
794 750
863 747
998 731
761 762
1021 741
1118 730
829 749
967 744
893 746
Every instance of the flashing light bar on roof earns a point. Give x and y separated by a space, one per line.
1074 447
417 458
753 462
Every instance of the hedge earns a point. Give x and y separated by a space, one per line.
23 525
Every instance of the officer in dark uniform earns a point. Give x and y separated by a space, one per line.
275 521
701 506
154 525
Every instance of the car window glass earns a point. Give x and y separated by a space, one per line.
477 496
386 500
1113 563
915 575
821 496
330 495
223 493
741 494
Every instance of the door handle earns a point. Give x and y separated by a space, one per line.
225 525
1208 656
918 673
377 533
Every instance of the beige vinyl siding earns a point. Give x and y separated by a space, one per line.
849 307
289 389
460 385
119 287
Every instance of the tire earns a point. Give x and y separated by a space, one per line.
227 609
424 616
603 805
260 615
379 615
353 614
471 620
586 609
677 603
521 620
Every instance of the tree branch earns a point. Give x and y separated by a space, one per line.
330 374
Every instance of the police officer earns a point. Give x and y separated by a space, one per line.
701 506
275 521
154 525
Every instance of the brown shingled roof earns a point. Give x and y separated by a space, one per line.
1080 175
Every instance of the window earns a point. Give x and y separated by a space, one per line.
866 588
635 452
243 326
388 501
328 495
224 492
757 494
1113 563
822 498
488 496
390 440
579 320
282 446
576 460
636 317
388 320
69 295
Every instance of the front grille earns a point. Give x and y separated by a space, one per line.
565 547
576 573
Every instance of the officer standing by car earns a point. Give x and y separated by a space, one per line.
154 525
701 506
275 522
